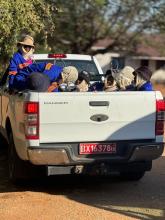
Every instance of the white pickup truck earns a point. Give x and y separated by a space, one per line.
81 133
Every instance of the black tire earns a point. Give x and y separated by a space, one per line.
15 164
132 176
20 170
3 142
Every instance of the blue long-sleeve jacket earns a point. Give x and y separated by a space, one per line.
19 80
17 63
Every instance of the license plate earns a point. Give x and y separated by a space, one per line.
95 148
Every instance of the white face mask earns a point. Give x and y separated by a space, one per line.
27 54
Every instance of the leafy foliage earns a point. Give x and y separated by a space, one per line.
81 23
73 27
18 17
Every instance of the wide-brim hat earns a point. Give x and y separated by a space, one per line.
27 40
69 74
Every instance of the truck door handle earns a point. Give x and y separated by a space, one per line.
99 103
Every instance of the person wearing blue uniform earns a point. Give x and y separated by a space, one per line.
62 79
125 79
19 81
83 82
21 67
142 79
54 79
22 58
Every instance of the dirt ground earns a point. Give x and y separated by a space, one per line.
69 198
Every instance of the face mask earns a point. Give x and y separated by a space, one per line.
27 54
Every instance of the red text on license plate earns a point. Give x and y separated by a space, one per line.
95 148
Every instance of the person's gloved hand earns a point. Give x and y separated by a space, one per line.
67 87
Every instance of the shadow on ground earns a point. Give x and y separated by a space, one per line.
143 200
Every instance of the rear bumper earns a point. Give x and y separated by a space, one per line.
64 154
48 156
147 153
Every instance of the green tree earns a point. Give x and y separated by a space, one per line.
21 17
78 26
81 23
159 22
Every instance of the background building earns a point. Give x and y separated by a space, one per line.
150 52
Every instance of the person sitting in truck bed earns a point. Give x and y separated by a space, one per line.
83 82
22 58
65 81
110 84
51 81
19 80
100 86
142 76
125 79
21 65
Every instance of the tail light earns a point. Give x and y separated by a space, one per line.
160 117
32 120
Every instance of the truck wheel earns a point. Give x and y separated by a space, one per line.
3 143
20 170
132 176
15 164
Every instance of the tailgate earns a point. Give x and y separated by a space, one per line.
94 117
